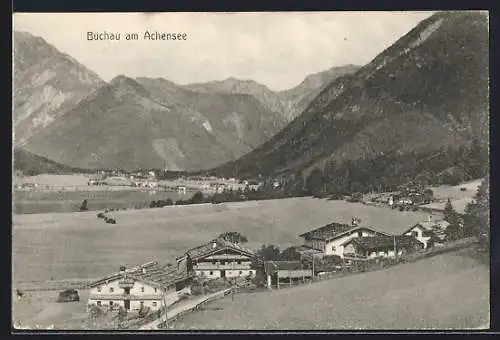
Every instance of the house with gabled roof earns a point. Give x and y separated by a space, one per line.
282 272
429 231
330 238
380 246
218 259
149 285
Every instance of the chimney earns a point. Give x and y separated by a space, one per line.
430 218
214 244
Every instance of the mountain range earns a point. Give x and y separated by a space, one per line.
426 91
66 113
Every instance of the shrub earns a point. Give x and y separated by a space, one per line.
84 207
101 215
463 189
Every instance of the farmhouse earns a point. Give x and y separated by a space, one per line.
218 258
149 285
330 239
380 246
285 272
428 231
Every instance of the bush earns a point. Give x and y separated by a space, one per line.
101 215
95 311
84 207
463 189
401 208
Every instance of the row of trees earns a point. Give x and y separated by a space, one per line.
389 170
475 222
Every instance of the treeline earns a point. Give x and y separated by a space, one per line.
389 170
383 173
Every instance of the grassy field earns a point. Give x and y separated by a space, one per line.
79 245
39 202
449 291
459 199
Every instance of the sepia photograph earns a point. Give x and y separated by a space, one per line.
250 171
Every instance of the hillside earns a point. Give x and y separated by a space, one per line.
427 91
152 123
47 83
30 164
449 291
288 103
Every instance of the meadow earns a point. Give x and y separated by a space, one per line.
39 202
449 291
79 245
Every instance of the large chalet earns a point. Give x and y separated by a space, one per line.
218 259
149 285
330 239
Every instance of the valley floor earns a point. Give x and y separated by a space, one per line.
80 245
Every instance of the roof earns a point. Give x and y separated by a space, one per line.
274 266
430 225
377 242
220 244
152 273
332 231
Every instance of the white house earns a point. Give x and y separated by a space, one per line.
331 238
425 231
218 258
149 285
380 246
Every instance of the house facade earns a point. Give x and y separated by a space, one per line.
427 231
331 238
380 246
149 285
218 259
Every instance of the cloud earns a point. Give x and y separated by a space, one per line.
278 49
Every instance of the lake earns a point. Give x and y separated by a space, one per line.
36 202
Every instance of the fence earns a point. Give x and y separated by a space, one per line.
366 265
53 285
193 307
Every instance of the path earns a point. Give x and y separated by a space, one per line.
189 305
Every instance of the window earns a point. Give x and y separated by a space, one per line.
142 289
110 303
414 234
213 262
156 290
111 289
98 289
241 272
99 303
360 234
142 304
222 262
334 248
238 262
154 303
211 273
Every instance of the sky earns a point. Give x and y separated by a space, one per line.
278 49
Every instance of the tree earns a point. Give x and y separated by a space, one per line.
197 198
477 215
451 216
84 207
290 254
269 253
233 236
314 183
